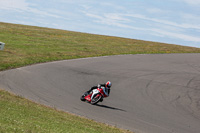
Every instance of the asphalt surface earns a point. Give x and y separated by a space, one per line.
150 93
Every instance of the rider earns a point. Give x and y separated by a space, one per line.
106 88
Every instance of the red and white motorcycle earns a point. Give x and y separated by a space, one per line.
94 97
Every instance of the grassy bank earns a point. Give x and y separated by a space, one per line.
18 115
29 45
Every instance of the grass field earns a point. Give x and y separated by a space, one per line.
27 45
20 115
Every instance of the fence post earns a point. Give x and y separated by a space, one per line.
2 45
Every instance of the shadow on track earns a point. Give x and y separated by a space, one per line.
109 107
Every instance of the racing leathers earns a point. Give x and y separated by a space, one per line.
103 86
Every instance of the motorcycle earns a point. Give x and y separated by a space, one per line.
94 96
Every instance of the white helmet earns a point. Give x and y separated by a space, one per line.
108 84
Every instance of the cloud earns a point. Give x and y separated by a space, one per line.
43 13
14 4
117 17
112 19
156 11
23 6
176 35
119 20
106 18
165 22
192 2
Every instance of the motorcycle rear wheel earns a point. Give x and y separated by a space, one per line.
83 98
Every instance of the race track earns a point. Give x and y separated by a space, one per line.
150 93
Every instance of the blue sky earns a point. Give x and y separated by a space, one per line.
169 21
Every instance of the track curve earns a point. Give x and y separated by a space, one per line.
150 93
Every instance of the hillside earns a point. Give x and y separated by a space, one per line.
29 45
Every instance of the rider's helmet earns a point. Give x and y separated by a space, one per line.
108 84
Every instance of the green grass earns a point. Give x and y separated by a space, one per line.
29 45
23 116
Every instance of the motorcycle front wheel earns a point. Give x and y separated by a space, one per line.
96 99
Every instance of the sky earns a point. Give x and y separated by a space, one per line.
168 21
